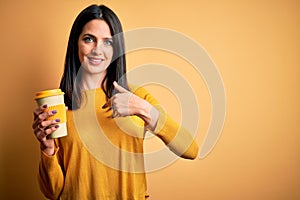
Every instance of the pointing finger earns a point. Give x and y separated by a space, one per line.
119 88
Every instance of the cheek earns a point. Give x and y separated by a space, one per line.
109 53
83 50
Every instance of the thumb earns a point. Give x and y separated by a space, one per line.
119 88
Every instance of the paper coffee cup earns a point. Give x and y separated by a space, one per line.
55 101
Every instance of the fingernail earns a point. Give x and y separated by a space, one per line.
54 111
56 126
45 106
57 120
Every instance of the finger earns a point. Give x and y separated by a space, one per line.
39 133
119 88
46 115
39 110
107 104
115 114
42 117
50 130
42 135
41 127
45 124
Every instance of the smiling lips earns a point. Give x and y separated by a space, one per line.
95 61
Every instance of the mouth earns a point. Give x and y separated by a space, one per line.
95 61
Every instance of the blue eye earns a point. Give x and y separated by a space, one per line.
88 39
108 42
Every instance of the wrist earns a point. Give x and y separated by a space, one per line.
149 114
143 111
47 150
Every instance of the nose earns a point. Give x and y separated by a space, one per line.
98 48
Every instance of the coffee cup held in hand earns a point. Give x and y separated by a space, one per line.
55 101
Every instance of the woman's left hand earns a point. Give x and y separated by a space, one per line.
125 103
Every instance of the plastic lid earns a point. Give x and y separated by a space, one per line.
47 93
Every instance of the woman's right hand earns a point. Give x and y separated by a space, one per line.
43 128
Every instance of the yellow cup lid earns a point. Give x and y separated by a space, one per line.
47 93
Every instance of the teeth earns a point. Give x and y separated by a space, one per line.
96 60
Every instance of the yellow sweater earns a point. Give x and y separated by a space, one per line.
102 157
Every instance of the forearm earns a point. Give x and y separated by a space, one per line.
176 137
50 175
149 114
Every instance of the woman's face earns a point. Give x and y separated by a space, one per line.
95 49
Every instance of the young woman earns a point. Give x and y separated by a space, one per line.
102 156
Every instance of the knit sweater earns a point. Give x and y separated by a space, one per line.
102 157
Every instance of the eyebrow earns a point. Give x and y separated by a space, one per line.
91 35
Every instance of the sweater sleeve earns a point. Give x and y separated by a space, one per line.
50 175
176 137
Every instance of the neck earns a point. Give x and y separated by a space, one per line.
92 81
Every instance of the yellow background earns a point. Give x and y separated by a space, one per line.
256 47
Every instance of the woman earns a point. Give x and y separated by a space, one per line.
83 165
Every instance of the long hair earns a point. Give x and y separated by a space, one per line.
116 71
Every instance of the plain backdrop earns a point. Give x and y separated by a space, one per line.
255 45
